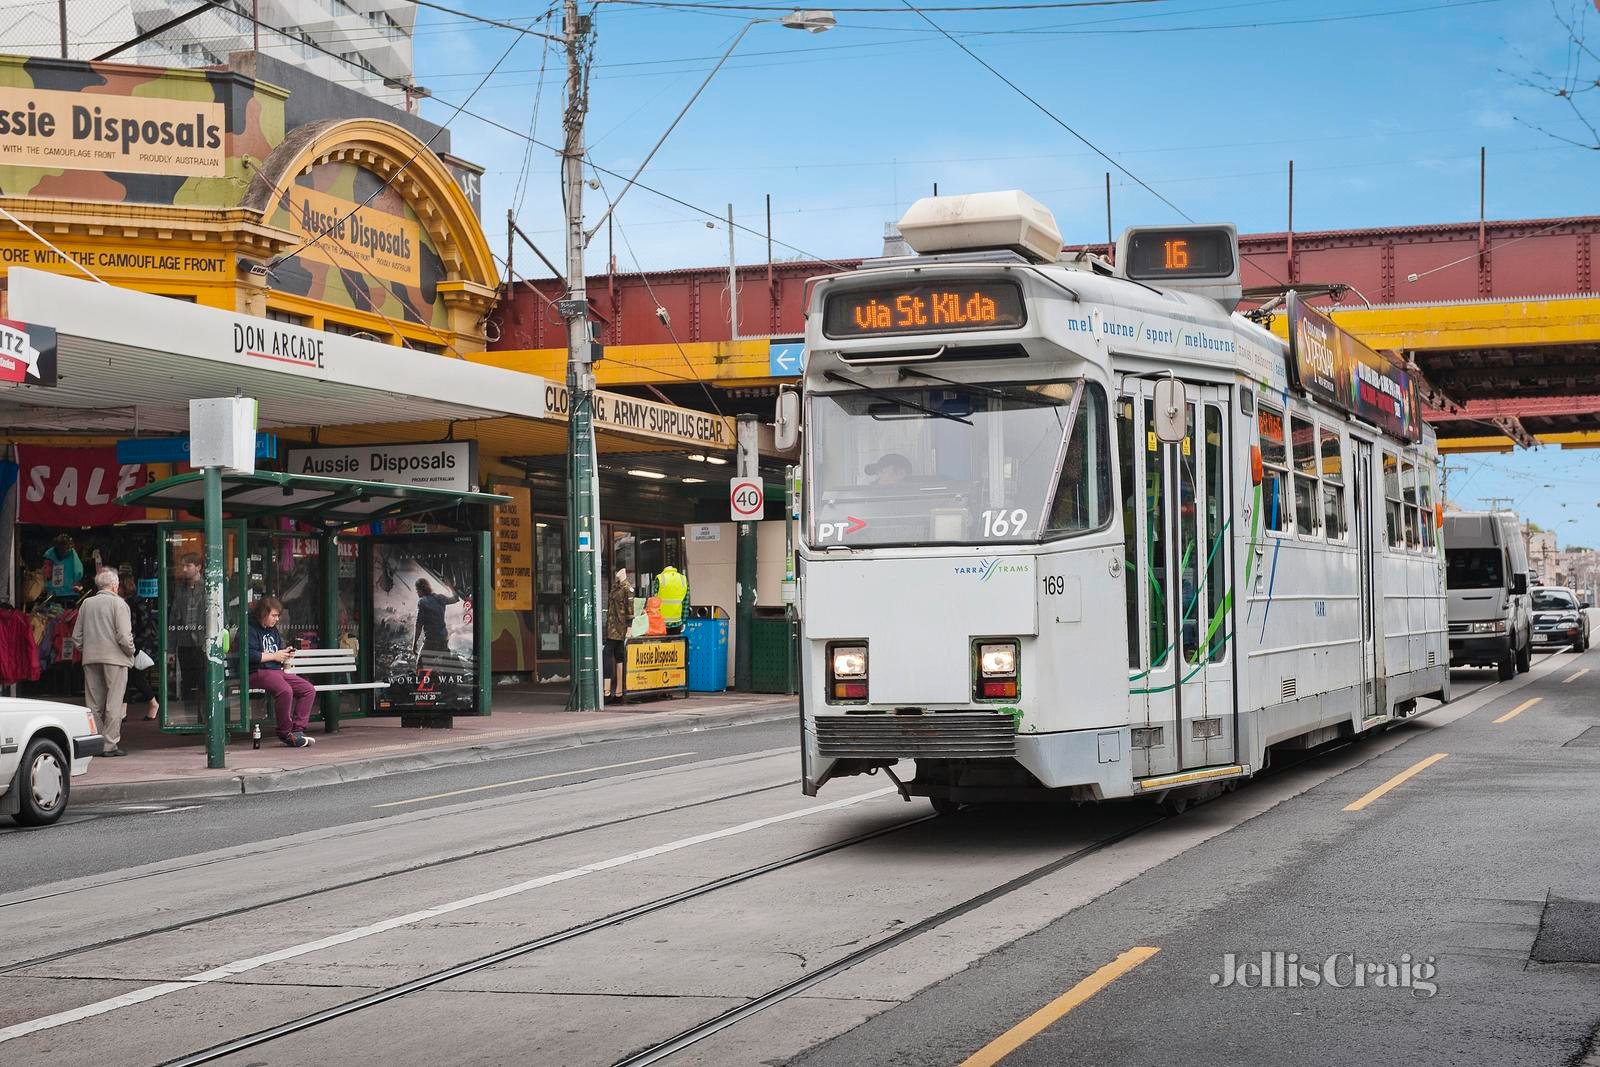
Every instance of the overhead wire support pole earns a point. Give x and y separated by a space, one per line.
560 277
582 512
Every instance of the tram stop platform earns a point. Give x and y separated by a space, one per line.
160 767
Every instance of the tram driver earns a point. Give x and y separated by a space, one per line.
891 469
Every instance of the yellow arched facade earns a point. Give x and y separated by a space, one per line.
352 226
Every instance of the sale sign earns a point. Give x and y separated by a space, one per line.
75 486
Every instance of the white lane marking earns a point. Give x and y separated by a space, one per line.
169 811
525 781
238 967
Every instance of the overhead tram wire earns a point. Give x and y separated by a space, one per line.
597 168
278 261
666 320
692 5
1048 113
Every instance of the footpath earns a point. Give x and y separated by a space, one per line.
161 767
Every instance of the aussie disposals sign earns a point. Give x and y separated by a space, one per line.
442 465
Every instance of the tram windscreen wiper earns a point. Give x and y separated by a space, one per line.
1023 396
899 401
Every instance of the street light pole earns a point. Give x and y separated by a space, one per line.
582 517
583 521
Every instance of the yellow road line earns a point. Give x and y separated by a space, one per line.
1574 677
1518 710
525 781
1405 775
1033 1025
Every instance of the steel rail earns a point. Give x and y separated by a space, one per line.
383 996
245 909
660 1051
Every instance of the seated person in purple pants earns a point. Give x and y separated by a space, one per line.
291 695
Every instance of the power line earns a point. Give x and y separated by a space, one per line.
1056 5
597 168
1050 114
279 260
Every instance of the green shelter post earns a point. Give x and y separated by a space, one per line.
216 698
749 466
328 550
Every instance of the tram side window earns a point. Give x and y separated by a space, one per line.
1394 513
1083 492
1408 486
1303 449
1274 469
1333 519
1425 504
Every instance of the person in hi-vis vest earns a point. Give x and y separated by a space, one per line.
673 589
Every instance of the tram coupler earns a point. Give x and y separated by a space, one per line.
905 795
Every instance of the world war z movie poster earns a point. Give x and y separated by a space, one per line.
422 628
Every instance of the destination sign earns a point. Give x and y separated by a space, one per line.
1183 253
925 308
1337 369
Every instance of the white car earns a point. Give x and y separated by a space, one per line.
43 746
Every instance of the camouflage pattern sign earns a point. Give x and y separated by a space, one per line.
376 256
74 131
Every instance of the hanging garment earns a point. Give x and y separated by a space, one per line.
19 656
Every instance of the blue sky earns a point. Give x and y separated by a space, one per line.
1382 104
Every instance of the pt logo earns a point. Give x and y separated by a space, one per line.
838 531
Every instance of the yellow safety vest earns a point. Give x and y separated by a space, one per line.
673 589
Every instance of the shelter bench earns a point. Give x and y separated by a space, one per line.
312 663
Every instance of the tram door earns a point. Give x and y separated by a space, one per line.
1365 561
1179 565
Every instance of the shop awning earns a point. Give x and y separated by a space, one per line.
333 503
130 361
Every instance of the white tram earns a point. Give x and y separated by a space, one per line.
1080 528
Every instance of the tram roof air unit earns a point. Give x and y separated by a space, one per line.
981 222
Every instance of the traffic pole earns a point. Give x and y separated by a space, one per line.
582 518
749 466
216 699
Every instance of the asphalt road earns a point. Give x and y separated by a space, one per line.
676 900
92 839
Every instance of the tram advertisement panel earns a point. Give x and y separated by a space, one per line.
423 643
1336 368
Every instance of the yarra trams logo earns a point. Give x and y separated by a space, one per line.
988 568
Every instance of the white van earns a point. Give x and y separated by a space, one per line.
1486 579
43 746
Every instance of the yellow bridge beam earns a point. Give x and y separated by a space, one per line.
1497 443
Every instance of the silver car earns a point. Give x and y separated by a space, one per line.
1559 618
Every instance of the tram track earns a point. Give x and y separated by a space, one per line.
664 1049
298 897
383 996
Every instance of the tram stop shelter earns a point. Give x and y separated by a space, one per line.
118 366
356 609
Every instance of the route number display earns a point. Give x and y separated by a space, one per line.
747 499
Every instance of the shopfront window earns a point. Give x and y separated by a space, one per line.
183 697
550 573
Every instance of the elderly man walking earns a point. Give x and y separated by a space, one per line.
104 633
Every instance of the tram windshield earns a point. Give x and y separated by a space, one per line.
957 464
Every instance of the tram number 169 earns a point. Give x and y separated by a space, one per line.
1004 523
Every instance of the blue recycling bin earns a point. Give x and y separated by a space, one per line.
708 654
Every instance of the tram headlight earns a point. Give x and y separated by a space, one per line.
847 674
850 661
997 661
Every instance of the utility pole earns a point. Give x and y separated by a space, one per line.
733 282
582 512
745 562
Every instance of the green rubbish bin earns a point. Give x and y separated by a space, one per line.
771 655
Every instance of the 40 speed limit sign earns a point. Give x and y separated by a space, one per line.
746 499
